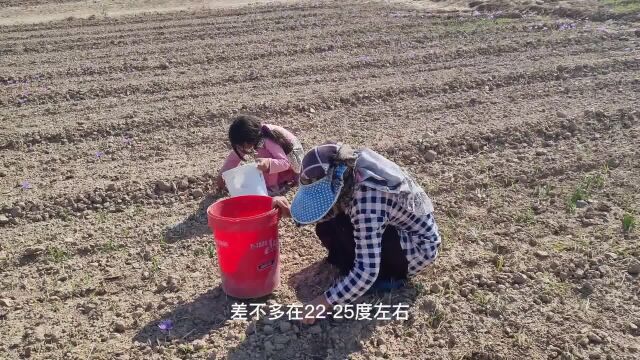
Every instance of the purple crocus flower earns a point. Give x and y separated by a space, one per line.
166 325
25 185
127 141
99 154
570 26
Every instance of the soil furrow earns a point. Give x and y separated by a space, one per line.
188 60
373 95
168 19
623 122
453 134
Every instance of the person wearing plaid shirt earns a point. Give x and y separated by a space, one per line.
376 222
371 212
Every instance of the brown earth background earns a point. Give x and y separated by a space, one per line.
520 119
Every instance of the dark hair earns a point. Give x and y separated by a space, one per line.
248 129
345 156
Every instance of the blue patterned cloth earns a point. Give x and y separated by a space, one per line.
312 202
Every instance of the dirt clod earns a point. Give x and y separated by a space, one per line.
435 288
428 305
587 288
163 186
595 339
430 155
280 339
183 184
34 250
519 278
634 268
542 254
583 341
284 326
268 346
197 193
581 204
199 345
6 302
315 330
466 291
594 355
16 212
119 326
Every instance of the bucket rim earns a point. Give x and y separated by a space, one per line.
272 212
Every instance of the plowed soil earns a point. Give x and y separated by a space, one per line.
520 119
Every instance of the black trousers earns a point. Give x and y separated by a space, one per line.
336 236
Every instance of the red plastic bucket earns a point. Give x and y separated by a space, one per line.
245 231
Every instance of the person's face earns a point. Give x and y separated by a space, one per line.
245 149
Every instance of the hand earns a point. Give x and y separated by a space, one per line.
283 205
320 307
263 164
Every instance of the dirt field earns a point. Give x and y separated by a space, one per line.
521 120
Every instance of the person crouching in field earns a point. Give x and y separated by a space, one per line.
278 152
376 222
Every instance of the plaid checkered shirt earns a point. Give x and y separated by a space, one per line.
371 212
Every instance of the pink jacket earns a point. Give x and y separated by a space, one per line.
280 171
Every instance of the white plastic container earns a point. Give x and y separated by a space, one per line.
245 180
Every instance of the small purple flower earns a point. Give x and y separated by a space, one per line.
570 26
364 58
99 154
165 325
127 141
25 185
476 13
